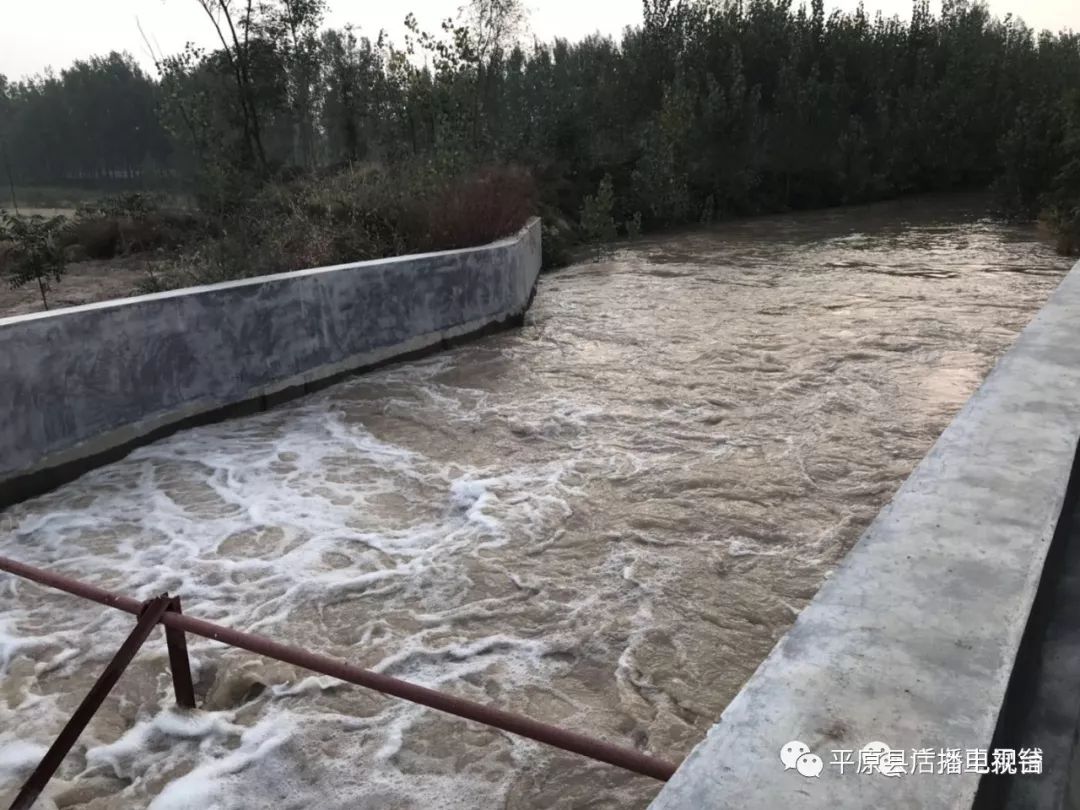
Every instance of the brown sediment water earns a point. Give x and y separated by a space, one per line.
604 519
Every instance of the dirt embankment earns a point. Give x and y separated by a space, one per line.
83 283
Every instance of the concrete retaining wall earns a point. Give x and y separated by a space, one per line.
913 640
80 385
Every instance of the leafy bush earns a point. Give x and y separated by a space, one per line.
131 205
558 237
1064 223
476 209
98 238
127 223
597 221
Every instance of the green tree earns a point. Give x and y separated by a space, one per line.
1062 210
356 95
293 27
234 22
37 255
661 178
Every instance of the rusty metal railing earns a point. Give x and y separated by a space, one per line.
165 610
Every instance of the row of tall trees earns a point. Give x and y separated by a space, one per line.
96 120
708 108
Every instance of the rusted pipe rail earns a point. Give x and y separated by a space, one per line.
572 741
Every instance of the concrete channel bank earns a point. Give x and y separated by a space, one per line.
82 386
916 639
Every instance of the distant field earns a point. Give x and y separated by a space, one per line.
29 211
51 200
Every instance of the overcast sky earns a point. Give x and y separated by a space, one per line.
39 33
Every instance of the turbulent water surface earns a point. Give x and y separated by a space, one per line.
604 519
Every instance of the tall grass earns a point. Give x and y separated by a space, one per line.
69 198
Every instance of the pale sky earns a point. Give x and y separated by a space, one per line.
38 33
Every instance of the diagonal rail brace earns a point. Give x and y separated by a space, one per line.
151 614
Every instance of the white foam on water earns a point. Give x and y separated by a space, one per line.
210 783
122 756
241 519
18 758
12 645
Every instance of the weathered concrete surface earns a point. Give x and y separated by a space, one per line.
76 382
913 639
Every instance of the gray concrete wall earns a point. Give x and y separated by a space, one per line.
76 382
913 639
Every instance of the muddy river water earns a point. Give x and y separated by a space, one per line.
604 519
